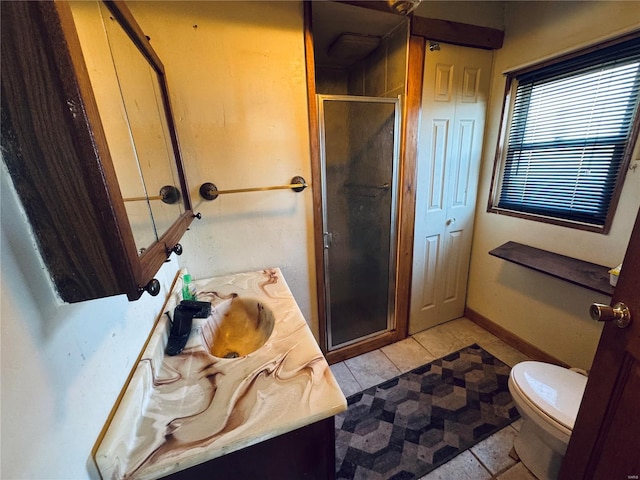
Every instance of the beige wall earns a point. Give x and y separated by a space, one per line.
549 313
236 73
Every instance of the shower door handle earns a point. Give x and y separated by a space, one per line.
328 239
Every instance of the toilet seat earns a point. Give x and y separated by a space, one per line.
553 392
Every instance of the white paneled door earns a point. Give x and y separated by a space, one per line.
454 99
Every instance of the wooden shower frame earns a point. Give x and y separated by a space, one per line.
421 28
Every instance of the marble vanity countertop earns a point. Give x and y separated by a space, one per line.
180 411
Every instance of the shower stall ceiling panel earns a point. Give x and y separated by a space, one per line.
380 74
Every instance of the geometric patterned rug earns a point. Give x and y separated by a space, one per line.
411 424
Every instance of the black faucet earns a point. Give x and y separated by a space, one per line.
183 316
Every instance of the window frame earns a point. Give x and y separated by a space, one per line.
511 85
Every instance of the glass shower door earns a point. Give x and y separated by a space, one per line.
359 155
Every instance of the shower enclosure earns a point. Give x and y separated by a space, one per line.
359 161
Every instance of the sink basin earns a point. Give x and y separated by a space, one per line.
237 327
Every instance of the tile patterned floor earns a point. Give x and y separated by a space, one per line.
488 459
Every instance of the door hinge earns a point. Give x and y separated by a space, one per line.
328 239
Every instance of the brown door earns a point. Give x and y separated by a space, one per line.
605 443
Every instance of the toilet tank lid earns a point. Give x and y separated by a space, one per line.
555 390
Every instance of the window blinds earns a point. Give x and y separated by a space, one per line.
571 123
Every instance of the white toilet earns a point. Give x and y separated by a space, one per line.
547 397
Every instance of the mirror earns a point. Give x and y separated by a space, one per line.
129 88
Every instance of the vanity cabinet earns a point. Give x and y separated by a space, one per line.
305 453
65 168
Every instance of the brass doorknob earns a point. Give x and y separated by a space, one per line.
619 314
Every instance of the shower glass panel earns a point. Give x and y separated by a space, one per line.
359 154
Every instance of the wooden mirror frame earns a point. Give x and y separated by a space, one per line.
55 150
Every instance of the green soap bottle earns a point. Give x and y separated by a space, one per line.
188 288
